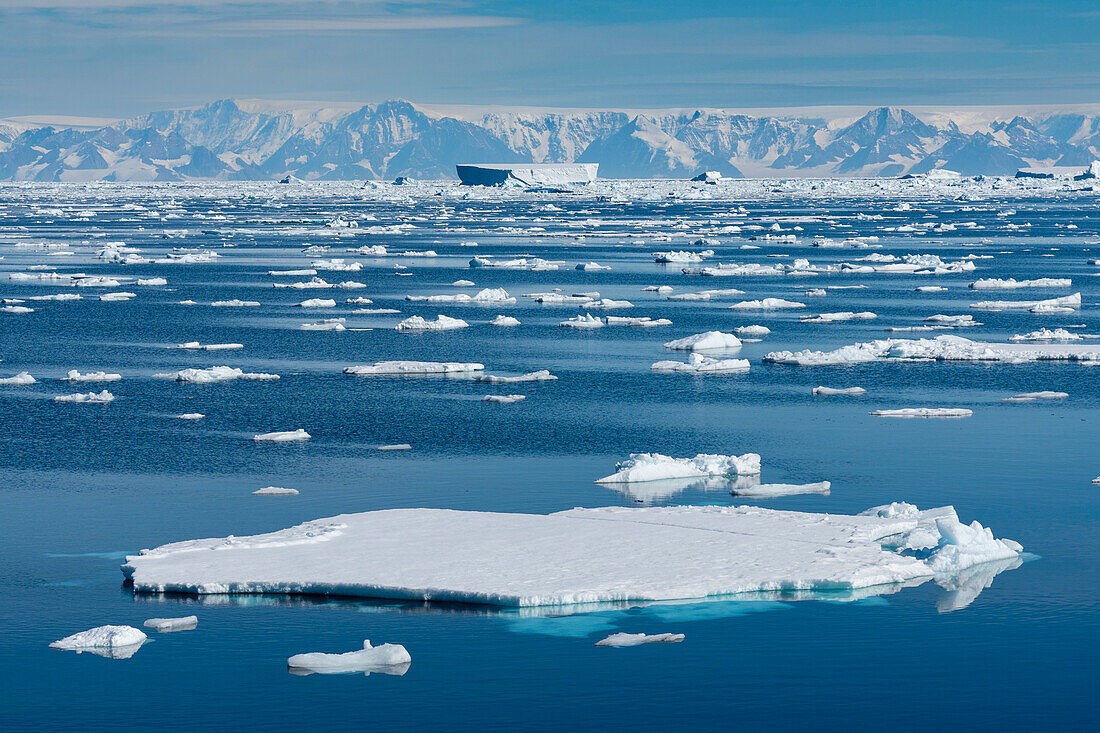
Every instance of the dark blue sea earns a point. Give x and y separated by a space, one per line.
82 485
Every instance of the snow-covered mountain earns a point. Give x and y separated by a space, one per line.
231 139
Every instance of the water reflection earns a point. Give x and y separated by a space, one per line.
650 492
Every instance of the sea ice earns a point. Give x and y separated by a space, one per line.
441 323
842 316
317 303
275 491
1046 334
924 412
1032 396
577 556
284 436
658 467
235 303
543 375
215 374
191 416
708 340
196 346
413 367
21 378
697 364
504 321
769 490
586 321
849 391
325 324
386 658
75 376
1014 284
91 397
624 639
766 304
592 267
503 399
752 331
168 625
116 642
1064 304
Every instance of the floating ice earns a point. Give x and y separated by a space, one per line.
1064 304
463 284
291 273
586 321
834 317
152 281
91 397
275 491
624 639
21 378
592 267
441 323
543 375
1032 396
191 416
395 446
924 412
215 374
75 376
413 367
699 364
325 324
118 297
682 257
317 303
1046 334
504 321
930 289
168 625
752 331
659 467
963 321
708 340
1014 284
941 348
503 399
235 303
16 309
285 436
487 296
849 391
115 642
636 321
386 658
576 556
314 283
196 346
769 490
766 304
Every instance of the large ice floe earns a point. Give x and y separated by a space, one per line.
488 296
579 556
1014 284
115 642
941 348
282 436
391 659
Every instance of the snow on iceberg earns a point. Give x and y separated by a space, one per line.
284 436
413 367
624 639
1053 305
504 321
215 374
75 376
1047 334
699 364
682 257
391 659
752 331
609 554
659 467
587 321
115 642
441 323
941 348
705 341
1014 284
22 378
487 296
924 412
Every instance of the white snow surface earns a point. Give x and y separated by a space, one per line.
699 364
413 367
576 556
167 625
275 491
848 391
75 376
119 642
767 304
941 348
624 639
282 436
90 397
369 658
659 467
441 323
705 341
542 375
216 374
924 412
769 490
22 378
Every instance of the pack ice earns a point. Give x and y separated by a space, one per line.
610 554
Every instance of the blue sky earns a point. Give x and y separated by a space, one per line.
123 57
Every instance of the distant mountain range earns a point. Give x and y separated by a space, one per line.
231 140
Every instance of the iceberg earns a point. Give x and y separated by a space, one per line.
761 491
526 174
752 331
682 257
504 321
924 412
317 303
16 309
699 364
285 436
22 378
1046 334
708 340
168 625
659 467
413 367
91 397
587 321
387 658
215 374
609 554
115 642
624 639
441 323
592 267
606 304
636 321
75 376
395 446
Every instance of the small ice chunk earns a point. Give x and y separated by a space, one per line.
317 303
116 642
851 391
284 436
623 639
767 304
395 446
275 491
441 323
842 316
168 625
75 376
606 304
91 397
930 289
503 399
708 340
924 412
1032 396
463 283
235 303
542 375
19 379
697 363
768 490
216 374
16 309
152 281
413 367
659 467
117 297
392 657
191 416
197 346
504 321
753 331
325 324
592 267
587 321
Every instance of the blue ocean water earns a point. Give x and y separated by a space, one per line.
83 485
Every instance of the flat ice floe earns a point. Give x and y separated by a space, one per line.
387 368
169 625
761 491
214 374
235 303
488 296
659 467
317 303
754 331
284 436
191 416
1033 396
577 556
1014 284
504 399
325 324
503 320
22 378
391 659
441 323
196 346
847 391
115 642
275 491
624 639
1065 304
842 316
75 376
542 375
699 364
587 321
924 412
708 340
941 348
767 304
90 397
1047 334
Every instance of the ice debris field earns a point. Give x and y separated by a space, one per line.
556 406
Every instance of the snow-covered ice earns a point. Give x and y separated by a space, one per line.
22 378
699 364
504 321
542 375
275 491
168 625
1033 396
659 467
587 321
75 376
624 639
383 368
387 658
847 391
283 436
191 416
214 374
115 642
441 323
767 304
769 490
503 399
924 412
90 397
709 340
